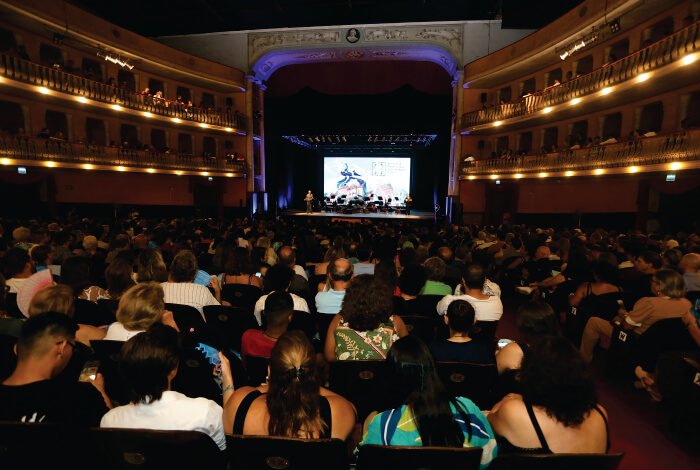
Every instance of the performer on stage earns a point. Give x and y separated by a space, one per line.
309 198
408 202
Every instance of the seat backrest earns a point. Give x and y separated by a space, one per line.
107 353
185 316
89 313
375 457
619 364
473 381
241 295
361 382
146 449
109 305
303 321
8 358
47 445
267 452
421 326
486 330
12 307
256 367
557 461
231 322
428 304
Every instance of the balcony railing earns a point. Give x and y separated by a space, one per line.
55 79
657 55
676 147
60 151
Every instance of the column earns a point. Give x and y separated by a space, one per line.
456 143
250 176
261 104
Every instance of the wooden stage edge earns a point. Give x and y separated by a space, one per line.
415 215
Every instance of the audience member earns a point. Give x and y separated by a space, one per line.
278 311
434 272
239 269
557 411
148 364
18 266
279 278
180 288
292 403
340 273
44 348
459 347
690 268
75 272
487 307
416 395
119 276
365 327
150 266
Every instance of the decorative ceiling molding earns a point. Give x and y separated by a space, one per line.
440 44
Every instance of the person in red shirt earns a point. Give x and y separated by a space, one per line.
278 311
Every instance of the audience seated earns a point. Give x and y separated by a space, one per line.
75 272
119 276
487 307
180 287
18 266
668 302
417 395
239 269
459 347
340 273
148 363
279 278
292 403
44 348
365 327
557 410
435 269
140 307
690 268
411 281
278 311
151 266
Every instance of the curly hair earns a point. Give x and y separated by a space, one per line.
555 377
366 303
293 396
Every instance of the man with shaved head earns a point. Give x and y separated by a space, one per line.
340 272
286 256
690 268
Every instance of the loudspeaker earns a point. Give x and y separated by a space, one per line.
229 101
481 145
483 97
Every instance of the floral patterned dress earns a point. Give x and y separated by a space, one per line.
352 345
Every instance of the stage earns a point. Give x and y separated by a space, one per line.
358 216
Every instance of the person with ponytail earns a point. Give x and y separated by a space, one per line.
292 403
421 412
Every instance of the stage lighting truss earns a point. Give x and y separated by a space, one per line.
578 44
115 59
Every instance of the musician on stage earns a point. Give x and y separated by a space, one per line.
309 198
408 202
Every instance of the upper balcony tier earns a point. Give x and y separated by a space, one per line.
680 150
53 153
680 48
49 78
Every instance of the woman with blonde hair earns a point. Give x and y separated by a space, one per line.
140 307
292 403
56 298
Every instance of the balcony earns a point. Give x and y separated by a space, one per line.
670 49
646 154
15 68
30 151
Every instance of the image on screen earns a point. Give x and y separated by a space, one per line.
367 177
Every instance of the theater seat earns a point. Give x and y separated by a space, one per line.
266 452
241 295
256 368
146 449
474 381
374 457
557 462
361 382
421 326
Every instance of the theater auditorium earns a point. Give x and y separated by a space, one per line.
301 234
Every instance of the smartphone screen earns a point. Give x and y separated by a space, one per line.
258 274
89 371
502 343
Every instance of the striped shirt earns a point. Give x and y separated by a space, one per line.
186 293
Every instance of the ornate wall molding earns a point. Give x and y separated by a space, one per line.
440 44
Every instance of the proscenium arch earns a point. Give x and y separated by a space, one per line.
440 44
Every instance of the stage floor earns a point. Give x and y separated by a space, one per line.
415 215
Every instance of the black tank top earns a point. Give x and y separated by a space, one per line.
505 447
239 420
